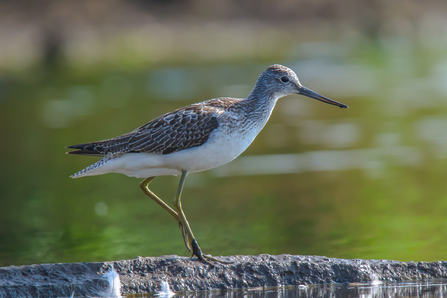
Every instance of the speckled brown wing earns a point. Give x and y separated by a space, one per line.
179 130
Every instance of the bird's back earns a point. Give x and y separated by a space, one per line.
181 129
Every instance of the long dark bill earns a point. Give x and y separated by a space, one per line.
307 92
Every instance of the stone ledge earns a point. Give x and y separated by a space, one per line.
142 275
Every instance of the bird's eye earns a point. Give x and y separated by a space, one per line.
284 79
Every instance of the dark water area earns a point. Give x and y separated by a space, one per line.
366 182
431 288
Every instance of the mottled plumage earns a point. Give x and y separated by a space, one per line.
178 130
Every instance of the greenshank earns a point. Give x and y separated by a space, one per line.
192 139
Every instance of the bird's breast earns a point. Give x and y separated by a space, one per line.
223 146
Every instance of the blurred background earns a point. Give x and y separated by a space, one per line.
367 182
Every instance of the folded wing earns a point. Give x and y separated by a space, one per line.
179 130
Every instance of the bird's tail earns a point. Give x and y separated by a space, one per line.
92 170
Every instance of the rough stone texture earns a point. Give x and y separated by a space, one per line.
142 275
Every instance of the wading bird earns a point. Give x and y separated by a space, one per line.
194 138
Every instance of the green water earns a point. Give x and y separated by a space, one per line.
367 182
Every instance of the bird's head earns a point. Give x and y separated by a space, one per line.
279 81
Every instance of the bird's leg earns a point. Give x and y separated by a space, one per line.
188 236
145 187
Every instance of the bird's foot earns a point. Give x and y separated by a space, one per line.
192 245
196 251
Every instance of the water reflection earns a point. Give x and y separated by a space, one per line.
336 160
174 84
432 288
432 130
338 135
339 80
59 113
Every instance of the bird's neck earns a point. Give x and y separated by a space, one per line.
257 107
261 101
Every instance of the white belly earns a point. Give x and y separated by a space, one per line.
220 149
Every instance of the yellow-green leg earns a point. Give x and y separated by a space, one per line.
183 222
188 237
145 187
